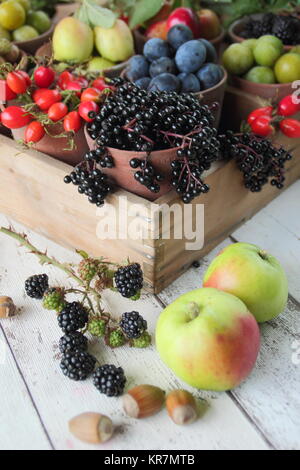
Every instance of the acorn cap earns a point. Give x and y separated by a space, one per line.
143 401
92 428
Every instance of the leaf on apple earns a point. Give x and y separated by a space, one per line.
95 15
143 11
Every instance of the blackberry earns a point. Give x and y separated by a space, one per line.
54 299
110 380
36 286
133 325
287 28
73 317
73 342
97 327
77 365
129 280
116 339
143 342
257 28
88 269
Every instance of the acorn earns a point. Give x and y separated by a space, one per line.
143 401
7 307
93 428
182 407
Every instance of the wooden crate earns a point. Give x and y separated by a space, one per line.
33 193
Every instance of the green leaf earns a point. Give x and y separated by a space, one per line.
82 15
143 11
99 16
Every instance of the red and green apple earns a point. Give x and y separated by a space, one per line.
254 276
209 339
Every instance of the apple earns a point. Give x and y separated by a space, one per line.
157 30
210 25
209 339
185 16
252 275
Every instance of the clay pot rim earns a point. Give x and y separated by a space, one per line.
236 38
161 152
30 42
216 40
262 85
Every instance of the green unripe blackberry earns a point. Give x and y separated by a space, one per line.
116 339
54 299
143 342
97 327
88 269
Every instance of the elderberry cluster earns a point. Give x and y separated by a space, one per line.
91 182
136 120
257 158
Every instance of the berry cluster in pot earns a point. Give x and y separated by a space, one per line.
46 98
182 63
264 121
284 27
136 120
74 319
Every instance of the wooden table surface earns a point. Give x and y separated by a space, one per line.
38 401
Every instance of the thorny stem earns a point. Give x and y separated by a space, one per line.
45 259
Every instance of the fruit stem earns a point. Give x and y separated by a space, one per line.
45 259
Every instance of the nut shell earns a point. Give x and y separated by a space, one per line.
143 401
7 307
92 428
182 407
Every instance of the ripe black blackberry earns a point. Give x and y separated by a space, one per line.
133 325
73 342
110 380
129 280
257 28
36 286
77 365
73 317
287 28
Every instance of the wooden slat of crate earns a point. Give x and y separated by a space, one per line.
33 193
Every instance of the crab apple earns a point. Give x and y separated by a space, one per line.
209 339
210 25
252 275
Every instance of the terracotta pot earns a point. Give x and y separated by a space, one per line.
263 90
215 95
140 40
238 26
123 174
32 45
113 72
210 96
55 147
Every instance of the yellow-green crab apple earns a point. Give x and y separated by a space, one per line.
252 275
73 41
115 44
209 339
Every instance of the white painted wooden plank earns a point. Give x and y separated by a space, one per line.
20 427
34 336
271 395
268 233
286 209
